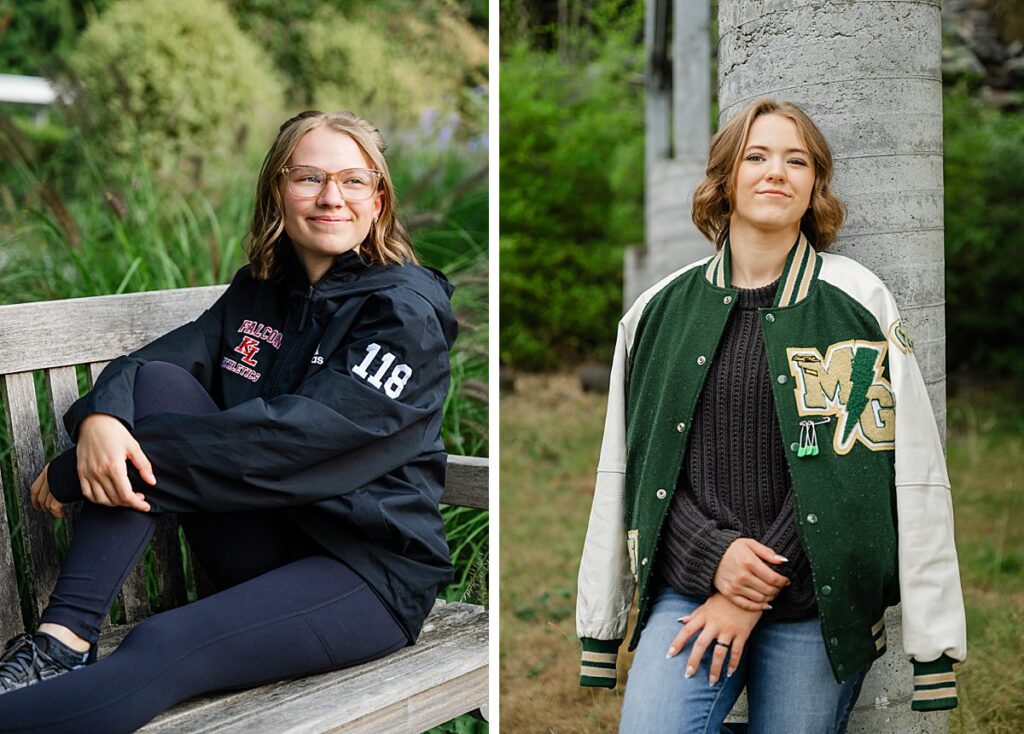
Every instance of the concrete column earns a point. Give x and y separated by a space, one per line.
678 129
691 80
869 74
658 108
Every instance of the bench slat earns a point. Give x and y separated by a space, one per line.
443 675
61 392
27 461
10 605
105 327
168 563
466 482
93 369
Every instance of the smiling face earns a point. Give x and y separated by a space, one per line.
326 225
774 178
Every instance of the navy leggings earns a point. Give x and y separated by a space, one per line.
285 608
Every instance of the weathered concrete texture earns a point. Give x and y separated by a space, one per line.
691 80
672 241
884 703
678 127
869 74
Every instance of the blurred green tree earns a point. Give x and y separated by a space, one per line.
572 185
173 77
984 185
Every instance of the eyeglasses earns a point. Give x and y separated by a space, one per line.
308 182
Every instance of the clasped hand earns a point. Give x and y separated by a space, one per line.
104 445
744 577
744 585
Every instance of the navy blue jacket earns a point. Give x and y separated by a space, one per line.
331 398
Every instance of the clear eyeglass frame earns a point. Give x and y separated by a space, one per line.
349 192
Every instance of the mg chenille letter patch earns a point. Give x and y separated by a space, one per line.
847 383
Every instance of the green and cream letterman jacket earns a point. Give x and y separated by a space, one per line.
872 496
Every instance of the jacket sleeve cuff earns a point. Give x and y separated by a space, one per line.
597 668
934 685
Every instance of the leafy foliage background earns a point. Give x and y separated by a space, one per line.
571 154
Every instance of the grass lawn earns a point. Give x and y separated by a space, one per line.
550 437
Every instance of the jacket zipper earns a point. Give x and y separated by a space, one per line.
305 309
283 360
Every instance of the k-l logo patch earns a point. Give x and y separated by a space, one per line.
248 349
847 383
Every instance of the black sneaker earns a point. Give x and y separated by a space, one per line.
30 659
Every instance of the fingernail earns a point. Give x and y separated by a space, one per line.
671 652
683 619
728 673
712 680
782 559
689 672
769 606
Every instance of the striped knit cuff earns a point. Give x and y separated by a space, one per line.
934 685
598 664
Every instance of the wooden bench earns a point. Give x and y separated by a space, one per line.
440 677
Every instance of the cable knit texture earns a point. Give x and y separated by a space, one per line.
734 482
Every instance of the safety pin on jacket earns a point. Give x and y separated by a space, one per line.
809 437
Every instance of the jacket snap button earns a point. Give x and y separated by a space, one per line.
680 427
794 446
727 300
782 379
833 642
812 518
661 493
701 359
643 561
770 318
826 590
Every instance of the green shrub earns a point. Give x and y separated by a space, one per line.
984 240
169 77
390 61
571 198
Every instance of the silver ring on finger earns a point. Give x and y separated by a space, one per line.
723 644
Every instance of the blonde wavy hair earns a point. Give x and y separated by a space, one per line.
387 242
713 199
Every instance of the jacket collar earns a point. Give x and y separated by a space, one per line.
799 272
343 269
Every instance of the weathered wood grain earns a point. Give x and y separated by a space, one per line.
417 713
10 604
27 461
61 392
466 482
133 595
93 370
443 675
167 562
102 327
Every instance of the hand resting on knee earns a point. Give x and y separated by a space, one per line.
104 444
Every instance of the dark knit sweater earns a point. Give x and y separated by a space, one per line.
734 482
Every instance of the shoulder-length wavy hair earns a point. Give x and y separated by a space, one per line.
713 199
387 242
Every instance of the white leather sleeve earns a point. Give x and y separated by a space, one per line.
934 622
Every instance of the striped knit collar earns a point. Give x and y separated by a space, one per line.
798 274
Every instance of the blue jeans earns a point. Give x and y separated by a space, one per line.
790 687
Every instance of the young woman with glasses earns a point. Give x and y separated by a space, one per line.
771 476
294 427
